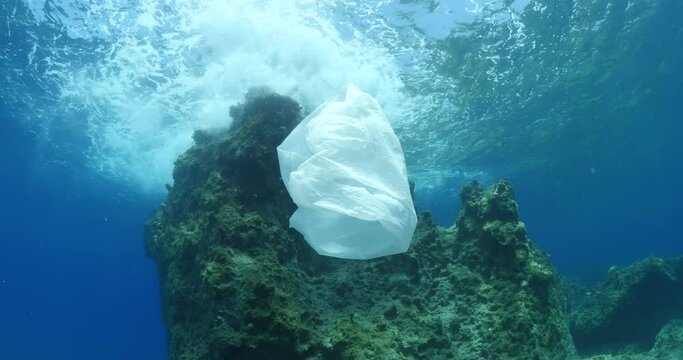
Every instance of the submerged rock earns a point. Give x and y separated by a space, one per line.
238 284
628 310
669 341
668 346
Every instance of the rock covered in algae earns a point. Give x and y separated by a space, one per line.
669 341
668 346
238 284
628 310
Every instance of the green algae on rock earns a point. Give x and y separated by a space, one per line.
628 310
668 346
238 284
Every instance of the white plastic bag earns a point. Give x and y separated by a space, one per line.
344 168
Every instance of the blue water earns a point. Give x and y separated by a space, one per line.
593 211
75 282
97 99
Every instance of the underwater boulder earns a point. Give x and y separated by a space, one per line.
669 341
628 310
237 283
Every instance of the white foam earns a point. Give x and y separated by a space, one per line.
172 67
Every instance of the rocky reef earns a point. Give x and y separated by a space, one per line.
632 312
668 346
238 284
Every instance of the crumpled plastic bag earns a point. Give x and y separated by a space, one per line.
344 168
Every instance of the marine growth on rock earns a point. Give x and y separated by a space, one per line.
237 283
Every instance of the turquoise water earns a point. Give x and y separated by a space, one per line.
576 102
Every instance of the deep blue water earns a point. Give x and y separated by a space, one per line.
74 279
93 116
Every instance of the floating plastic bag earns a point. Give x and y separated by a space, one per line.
344 168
